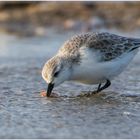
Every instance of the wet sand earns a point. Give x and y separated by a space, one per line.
113 113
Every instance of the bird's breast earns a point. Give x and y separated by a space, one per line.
88 71
92 71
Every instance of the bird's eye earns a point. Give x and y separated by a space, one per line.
56 74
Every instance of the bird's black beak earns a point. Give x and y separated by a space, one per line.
50 88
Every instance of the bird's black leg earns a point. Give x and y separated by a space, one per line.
107 84
99 87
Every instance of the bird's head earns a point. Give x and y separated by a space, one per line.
55 71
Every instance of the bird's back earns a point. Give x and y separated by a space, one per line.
109 45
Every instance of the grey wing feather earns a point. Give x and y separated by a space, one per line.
111 46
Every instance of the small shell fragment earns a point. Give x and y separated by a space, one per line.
43 93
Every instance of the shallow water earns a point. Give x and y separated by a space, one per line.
114 113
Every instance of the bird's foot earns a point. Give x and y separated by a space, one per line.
87 93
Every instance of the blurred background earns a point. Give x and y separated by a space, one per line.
35 17
30 34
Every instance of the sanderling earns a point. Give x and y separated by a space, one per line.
90 58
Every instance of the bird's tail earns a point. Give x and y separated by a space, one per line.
136 44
